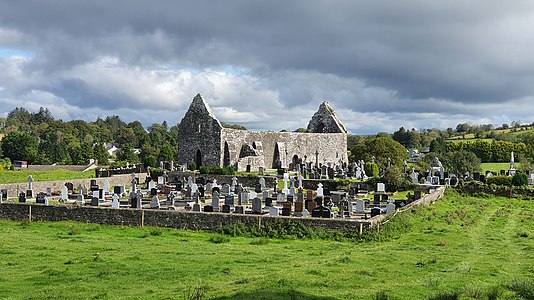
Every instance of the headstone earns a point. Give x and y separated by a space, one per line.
135 200
22 197
229 200
309 195
300 197
320 190
256 206
225 190
299 207
417 195
269 201
390 208
305 213
106 186
360 206
154 203
273 211
29 193
196 207
64 193
310 205
80 200
289 198
380 187
101 194
375 211
3 192
321 212
239 209
151 185
208 208
94 201
115 201
376 199
226 209
261 182
264 195
215 201
41 198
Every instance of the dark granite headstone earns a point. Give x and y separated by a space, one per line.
269 201
41 198
239 209
289 198
135 201
299 207
22 197
417 195
4 194
376 199
375 211
384 197
226 208
208 208
29 194
286 211
319 201
153 192
94 201
117 190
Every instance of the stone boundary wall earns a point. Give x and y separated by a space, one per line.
183 220
496 190
13 189
161 218
425 200
247 181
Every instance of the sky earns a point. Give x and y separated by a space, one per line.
268 65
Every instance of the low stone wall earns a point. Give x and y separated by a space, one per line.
247 181
13 189
427 199
161 218
496 190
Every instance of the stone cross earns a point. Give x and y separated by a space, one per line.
134 183
234 183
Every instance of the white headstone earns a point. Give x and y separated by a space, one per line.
65 193
161 180
106 186
262 183
273 211
380 187
115 201
305 213
300 178
320 190
30 182
151 185
80 199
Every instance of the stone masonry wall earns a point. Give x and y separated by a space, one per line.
332 147
162 218
13 189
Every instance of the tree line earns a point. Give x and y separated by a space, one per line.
40 139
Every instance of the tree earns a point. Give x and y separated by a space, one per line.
101 154
520 179
127 154
20 146
383 149
464 161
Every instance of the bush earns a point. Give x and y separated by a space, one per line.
217 170
520 179
523 288
371 169
499 180
192 166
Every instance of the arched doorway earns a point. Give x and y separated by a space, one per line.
277 163
226 158
198 158
295 161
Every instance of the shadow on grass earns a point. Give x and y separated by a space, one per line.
266 294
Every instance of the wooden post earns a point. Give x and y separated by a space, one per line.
361 230
30 212
142 218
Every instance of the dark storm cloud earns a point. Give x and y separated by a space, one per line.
391 57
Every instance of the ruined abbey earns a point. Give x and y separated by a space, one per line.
205 141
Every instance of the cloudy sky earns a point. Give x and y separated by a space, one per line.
268 65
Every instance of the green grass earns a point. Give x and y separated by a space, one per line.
496 167
58 174
460 247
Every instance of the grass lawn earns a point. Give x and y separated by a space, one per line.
496 167
58 174
476 248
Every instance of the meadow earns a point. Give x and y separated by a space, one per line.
7 176
462 247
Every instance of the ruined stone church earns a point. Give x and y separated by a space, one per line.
205 141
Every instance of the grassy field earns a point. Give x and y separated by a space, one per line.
496 167
461 246
58 174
